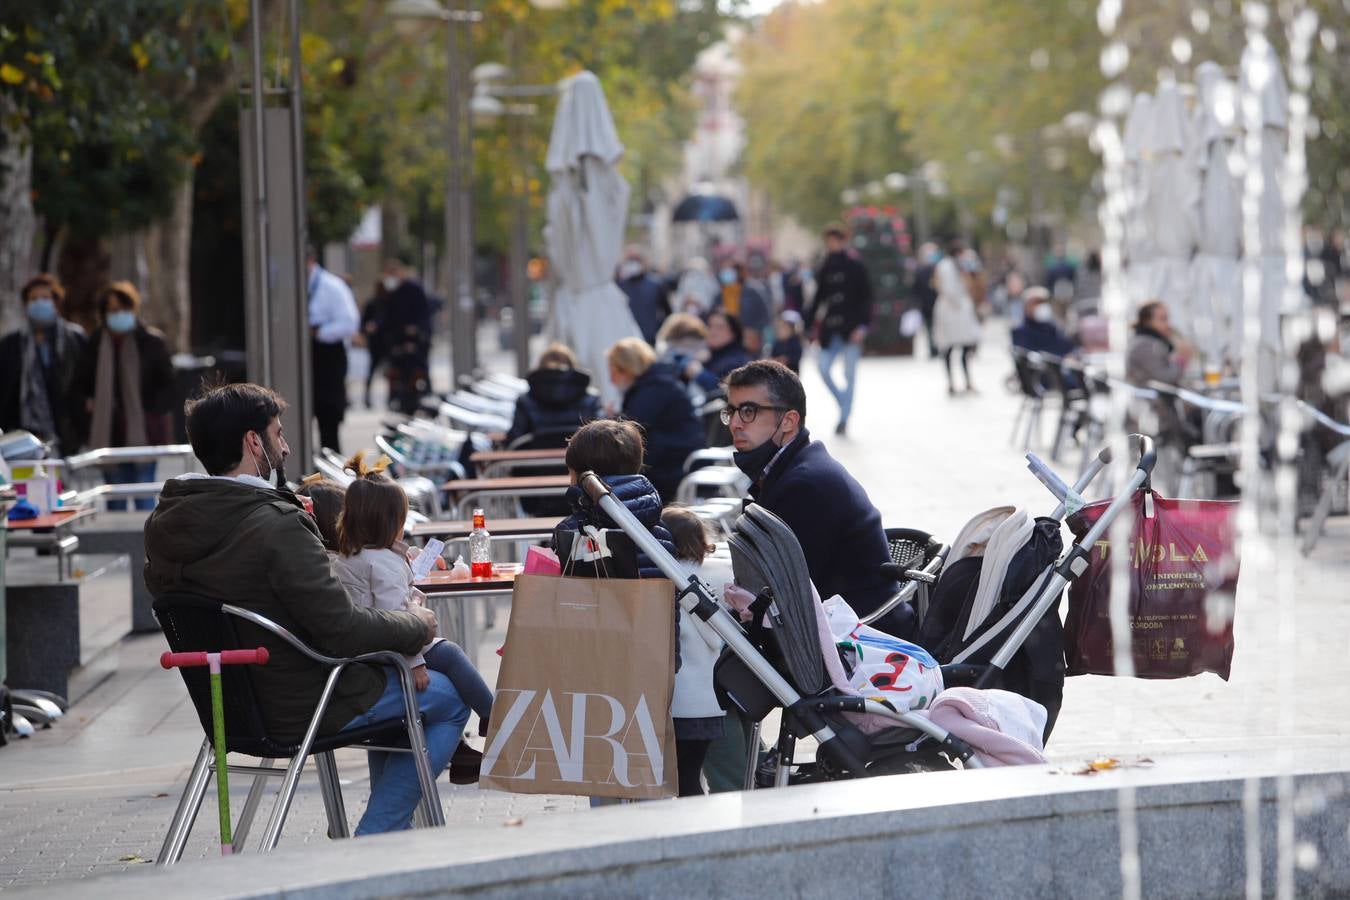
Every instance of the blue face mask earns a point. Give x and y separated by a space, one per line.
121 322
42 311
728 276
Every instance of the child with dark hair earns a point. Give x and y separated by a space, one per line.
372 564
326 497
697 715
613 449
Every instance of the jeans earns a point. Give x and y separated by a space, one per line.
852 353
130 473
447 658
394 791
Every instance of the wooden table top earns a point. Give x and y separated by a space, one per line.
497 527
49 520
440 582
507 485
485 457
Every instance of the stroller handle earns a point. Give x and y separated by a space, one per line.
1148 454
593 486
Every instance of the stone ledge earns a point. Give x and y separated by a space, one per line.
1032 832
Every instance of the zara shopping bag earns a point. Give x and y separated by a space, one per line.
1183 571
583 698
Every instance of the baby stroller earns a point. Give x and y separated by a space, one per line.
785 666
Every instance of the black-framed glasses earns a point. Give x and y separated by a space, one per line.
747 412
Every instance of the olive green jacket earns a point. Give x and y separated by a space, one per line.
257 548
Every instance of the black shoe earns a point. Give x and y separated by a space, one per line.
465 765
842 427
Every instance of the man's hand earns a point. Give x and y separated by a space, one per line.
420 677
428 619
858 335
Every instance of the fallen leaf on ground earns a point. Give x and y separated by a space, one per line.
134 858
1106 764
513 823
160 794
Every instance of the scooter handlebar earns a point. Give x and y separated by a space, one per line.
169 660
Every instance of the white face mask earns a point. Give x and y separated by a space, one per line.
630 268
391 282
1042 313
264 475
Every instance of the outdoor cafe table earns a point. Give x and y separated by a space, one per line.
450 598
462 491
490 461
58 523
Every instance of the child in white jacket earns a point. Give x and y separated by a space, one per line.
372 564
694 707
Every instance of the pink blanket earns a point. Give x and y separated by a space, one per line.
1003 728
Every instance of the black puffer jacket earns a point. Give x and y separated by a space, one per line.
638 495
658 402
558 402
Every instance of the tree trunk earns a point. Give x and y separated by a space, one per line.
168 245
84 267
16 211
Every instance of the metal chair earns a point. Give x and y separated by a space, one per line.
194 623
1030 369
712 481
1335 470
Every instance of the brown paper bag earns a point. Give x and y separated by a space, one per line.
583 698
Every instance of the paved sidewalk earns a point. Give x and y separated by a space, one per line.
95 793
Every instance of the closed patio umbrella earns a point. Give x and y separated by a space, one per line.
1172 189
1217 269
1263 78
587 209
1138 245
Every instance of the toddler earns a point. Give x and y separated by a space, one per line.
697 715
372 564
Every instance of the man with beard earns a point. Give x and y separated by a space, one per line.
232 536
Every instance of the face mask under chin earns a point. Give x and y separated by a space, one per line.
754 461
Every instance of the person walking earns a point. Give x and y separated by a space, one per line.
38 367
655 399
127 381
925 293
372 334
406 335
843 302
646 294
955 324
333 320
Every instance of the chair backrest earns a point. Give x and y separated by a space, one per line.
912 548
193 623
1029 369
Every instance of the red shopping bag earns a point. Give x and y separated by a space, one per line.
1183 571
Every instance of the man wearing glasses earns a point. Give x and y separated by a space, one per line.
796 479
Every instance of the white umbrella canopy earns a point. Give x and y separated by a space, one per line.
1263 78
1138 245
1170 215
1217 269
587 209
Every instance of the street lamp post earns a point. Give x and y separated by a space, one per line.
487 106
457 275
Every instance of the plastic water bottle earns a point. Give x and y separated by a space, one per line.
480 542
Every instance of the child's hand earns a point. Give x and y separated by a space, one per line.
420 677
